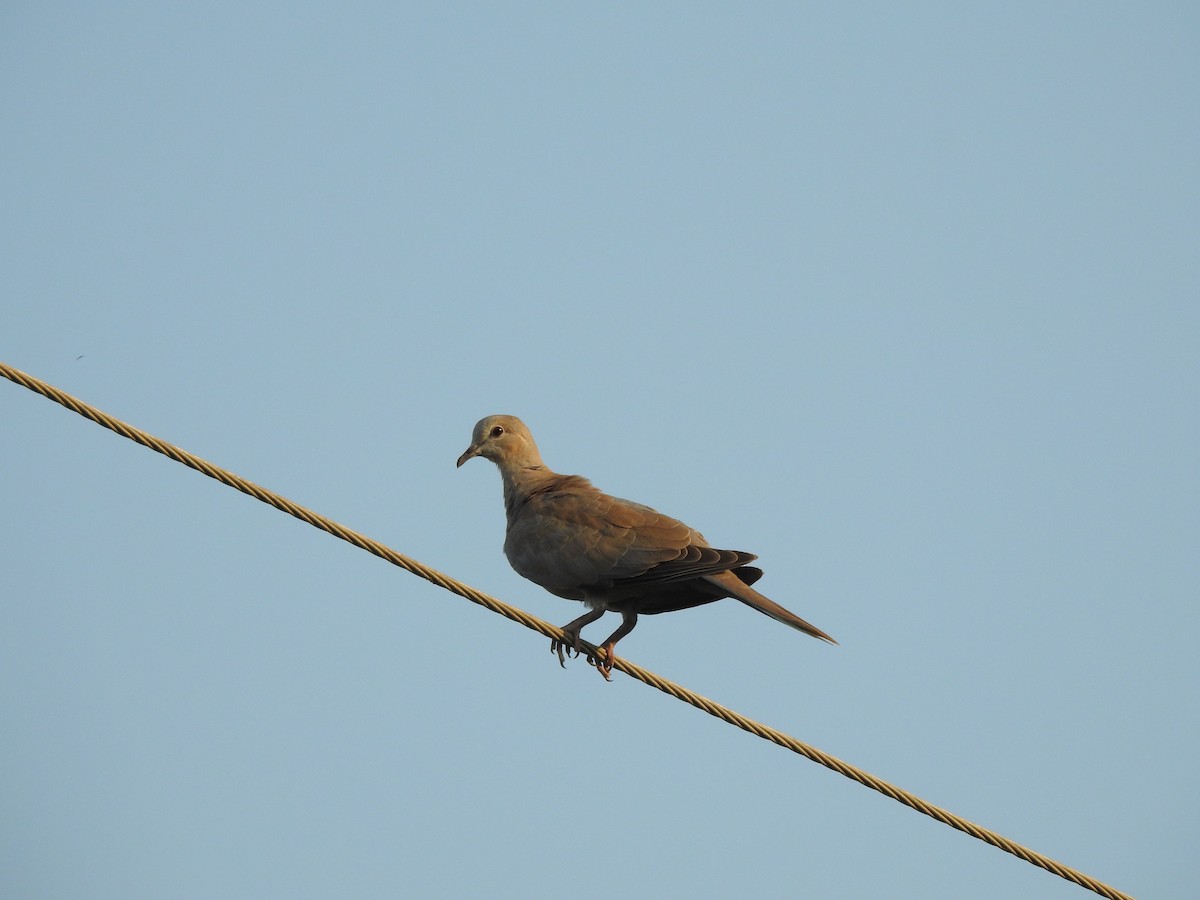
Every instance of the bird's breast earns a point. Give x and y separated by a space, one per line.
566 554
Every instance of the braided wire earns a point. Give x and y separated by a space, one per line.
545 628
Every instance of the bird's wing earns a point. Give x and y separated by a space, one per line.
569 535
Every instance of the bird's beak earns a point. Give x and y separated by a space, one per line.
469 453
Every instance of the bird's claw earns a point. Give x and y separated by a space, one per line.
572 648
603 666
564 649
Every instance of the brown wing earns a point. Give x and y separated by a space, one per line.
573 539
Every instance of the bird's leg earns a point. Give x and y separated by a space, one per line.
572 630
604 666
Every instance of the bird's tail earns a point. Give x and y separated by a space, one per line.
737 589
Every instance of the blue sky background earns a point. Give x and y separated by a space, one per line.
904 300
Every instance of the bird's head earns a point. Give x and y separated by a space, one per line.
505 441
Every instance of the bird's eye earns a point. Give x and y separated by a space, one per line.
497 431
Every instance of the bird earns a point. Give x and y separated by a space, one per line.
580 543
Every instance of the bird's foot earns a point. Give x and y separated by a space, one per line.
567 648
603 666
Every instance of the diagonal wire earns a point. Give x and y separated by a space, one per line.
518 615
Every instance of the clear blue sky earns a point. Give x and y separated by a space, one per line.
904 300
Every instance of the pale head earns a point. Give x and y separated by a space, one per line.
505 441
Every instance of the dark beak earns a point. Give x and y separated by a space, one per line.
470 453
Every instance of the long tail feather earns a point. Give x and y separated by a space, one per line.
752 598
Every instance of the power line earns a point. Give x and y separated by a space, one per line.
532 622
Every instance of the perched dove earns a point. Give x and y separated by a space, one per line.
579 543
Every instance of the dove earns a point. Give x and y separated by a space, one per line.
582 544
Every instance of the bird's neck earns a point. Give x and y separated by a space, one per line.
520 481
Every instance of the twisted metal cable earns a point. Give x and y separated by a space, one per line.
545 628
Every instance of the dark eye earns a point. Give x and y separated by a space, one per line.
497 430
